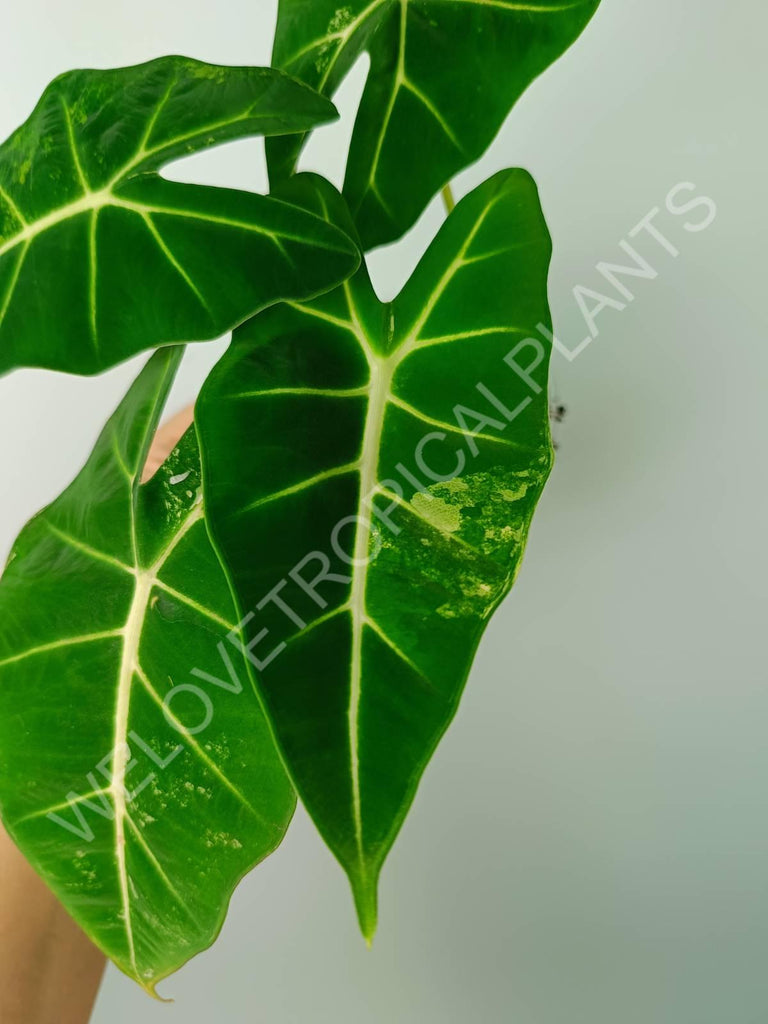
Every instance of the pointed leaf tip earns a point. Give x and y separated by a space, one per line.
365 893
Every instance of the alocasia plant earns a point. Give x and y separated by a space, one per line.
335 395
125 254
141 828
293 602
444 75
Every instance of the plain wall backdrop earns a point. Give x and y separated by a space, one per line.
590 843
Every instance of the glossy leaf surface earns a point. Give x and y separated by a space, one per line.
444 75
353 412
137 771
100 257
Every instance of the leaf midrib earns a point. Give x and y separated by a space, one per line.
382 370
134 630
145 581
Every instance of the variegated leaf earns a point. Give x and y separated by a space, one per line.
396 453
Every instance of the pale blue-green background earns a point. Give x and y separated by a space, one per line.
590 845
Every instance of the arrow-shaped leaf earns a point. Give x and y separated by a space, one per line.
101 258
427 418
444 75
137 771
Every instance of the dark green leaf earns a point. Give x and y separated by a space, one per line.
362 666
101 258
444 75
112 609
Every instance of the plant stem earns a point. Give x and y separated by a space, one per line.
450 202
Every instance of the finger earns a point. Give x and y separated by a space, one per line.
166 439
